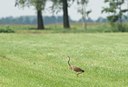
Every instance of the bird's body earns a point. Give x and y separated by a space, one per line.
75 68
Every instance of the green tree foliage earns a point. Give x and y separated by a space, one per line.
39 6
116 13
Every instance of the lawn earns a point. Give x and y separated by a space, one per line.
40 59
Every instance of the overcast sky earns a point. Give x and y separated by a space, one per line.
7 8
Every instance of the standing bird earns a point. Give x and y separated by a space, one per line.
74 68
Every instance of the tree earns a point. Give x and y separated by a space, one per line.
39 6
63 4
55 9
65 14
82 9
127 8
117 13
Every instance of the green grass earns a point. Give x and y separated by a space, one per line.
58 28
75 28
40 59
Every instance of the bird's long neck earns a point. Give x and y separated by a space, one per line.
69 62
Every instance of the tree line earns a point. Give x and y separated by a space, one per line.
32 20
115 10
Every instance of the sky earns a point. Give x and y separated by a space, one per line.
7 8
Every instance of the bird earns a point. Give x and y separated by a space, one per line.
78 70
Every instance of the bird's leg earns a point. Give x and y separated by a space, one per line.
79 73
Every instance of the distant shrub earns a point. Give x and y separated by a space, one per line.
117 27
6 30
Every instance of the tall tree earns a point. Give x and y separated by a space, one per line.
117 13
65 14
63 4
39 6
55 9
127 8
82 9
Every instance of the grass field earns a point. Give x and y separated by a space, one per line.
40 59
